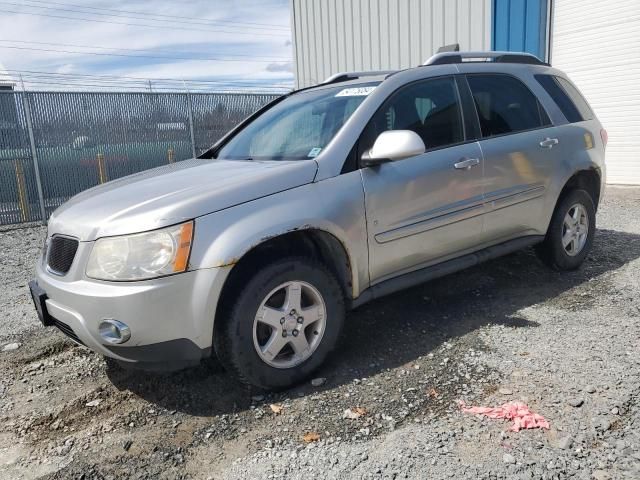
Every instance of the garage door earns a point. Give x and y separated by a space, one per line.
597 43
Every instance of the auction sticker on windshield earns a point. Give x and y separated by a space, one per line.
355 92
314 152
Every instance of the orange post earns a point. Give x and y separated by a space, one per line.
172 155
102 172
22 192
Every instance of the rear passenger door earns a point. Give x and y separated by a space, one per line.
520 149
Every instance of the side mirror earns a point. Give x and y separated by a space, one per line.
393 145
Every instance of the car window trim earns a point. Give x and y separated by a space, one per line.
469 108
542 127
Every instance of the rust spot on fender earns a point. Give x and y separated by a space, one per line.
226 263
283 232
234 260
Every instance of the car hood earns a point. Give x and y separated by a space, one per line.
174 193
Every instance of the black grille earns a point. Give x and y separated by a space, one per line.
61 253
67 330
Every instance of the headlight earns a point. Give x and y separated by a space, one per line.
142 255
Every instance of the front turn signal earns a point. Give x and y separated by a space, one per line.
184 247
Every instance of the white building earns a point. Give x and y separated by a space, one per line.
596 43
6 80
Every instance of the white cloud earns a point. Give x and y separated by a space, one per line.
280 67
66 68
260 54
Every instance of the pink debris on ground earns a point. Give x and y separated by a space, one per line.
518 412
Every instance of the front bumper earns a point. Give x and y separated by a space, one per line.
170 318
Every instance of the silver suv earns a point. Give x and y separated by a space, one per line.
326 198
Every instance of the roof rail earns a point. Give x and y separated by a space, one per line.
345 76
498 57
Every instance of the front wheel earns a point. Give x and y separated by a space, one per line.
570 235
282 324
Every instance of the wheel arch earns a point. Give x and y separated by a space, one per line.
588 179
307 241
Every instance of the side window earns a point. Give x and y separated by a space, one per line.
559 96
577 98
505 105
568 98
430 108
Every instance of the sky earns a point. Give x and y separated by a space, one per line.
207 43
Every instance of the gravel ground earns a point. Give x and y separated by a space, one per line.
567 344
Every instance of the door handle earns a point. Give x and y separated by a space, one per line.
466 163
548 142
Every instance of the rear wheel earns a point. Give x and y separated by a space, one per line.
282 324
570 235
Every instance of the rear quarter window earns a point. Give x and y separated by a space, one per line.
569 100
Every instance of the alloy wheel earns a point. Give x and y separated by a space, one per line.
289 324
575 229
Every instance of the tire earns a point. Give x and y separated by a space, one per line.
552 250
240 333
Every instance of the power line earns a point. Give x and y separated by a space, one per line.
253 4
46 86
104 54
30 83
134 24
270 59
66 85
54 77
201 21
43 85
124 77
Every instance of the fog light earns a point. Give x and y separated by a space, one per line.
114 331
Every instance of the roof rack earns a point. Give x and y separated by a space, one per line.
345 76
442 58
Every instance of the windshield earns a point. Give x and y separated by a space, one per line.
299 127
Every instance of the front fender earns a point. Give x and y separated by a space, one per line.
334 205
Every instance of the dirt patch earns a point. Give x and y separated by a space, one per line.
510 329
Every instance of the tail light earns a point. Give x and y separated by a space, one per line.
605 136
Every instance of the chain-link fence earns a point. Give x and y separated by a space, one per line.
56 144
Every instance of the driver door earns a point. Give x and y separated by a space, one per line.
423 209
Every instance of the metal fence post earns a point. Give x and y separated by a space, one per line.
34 154
193 141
